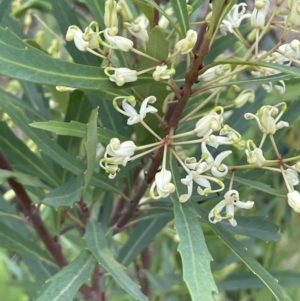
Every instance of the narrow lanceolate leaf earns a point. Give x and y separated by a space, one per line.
192 247
27 63
66 195
22 178
96 243
248 280
66 283
181 13
13 241
97 10
143 234
73 128
47 146
292 71
260 186
254 226
234 245
20 156
90 145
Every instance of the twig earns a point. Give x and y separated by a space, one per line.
156 14
32 212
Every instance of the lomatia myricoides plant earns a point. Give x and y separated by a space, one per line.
195 109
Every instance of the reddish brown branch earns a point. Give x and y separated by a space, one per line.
156 14
32 212
140 193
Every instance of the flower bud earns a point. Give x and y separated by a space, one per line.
110 14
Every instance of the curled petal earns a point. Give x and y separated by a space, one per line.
294 200
244 205
214 215
121 43
230 213
188 181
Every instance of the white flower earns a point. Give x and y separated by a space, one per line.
265 118
92 37
138 28
121 75
119 42
292 177
266 71
162 184
209 123
110 14
231 199
75 33
134 116
64 89
163 21
201 180
294 14
186 45
217 168
233 138
291 50
234 18
125 12
259 13
245 96
117 149
161 72
215 72
254 156
117 153
197 170
294 200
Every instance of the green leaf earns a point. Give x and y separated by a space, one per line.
109 117
97 244
65 284
22 178
13 241
90 145
4 4
47 146
143 234
76 129
26 63
260 186
20 156
192 247
35 99
32 4
72 128
156 46
251 263
147 10
254 226
238 281
292 71
97 10
66 195
181 13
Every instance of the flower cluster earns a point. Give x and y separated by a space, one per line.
210 131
